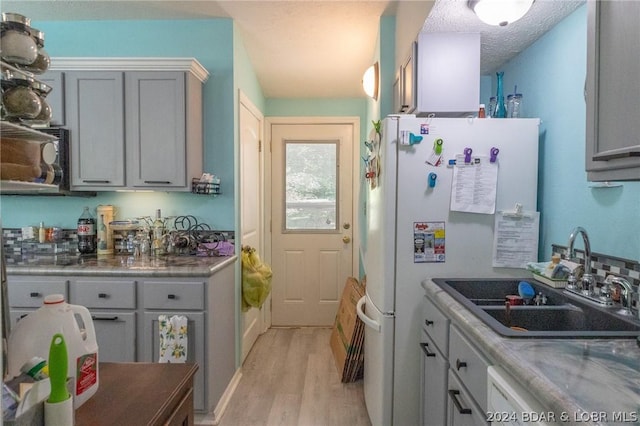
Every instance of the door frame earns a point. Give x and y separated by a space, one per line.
268 172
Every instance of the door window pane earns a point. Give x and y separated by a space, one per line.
311 185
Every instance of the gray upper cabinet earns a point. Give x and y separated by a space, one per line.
55 99
612 91
137 125
440 75
94 108
163 129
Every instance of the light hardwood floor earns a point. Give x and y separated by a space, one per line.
290 378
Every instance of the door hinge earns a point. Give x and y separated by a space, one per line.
259 146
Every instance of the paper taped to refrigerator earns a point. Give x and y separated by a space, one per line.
428 242
474 184
515 239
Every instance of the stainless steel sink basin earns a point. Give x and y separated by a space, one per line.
564 316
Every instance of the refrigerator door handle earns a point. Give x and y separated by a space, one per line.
365 319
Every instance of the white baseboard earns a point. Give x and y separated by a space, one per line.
212 419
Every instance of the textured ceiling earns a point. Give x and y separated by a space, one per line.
312 48
499 44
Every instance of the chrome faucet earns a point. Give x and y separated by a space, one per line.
627 290
587 277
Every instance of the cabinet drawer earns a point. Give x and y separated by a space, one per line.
30 293
470 366
173 295
103 294
436 324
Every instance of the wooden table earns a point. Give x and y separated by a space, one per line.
140 394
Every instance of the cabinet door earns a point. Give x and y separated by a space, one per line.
94 106
434 384
448 79
195 349
613 93
408 81
55 99
116 335
462 410
397 91
156 129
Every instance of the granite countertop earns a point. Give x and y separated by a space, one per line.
583 381
118 265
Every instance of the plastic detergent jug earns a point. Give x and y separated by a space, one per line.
32 335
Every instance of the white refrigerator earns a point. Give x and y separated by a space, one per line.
403 198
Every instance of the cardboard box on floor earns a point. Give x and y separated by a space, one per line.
347 337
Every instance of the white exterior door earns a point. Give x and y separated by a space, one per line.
250 124
312 220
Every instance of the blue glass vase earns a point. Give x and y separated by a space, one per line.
501 109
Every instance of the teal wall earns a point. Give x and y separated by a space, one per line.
551 75
211 43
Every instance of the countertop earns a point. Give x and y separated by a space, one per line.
118 265
584 381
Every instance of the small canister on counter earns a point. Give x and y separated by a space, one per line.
105 215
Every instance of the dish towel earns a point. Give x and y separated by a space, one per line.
173 339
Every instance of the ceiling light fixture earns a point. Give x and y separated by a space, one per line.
500 12
370 81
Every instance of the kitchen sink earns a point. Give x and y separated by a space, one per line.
563 317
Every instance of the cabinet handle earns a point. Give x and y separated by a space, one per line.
158 182
95 181
104 318
34 294
428 322
425 349
171 296
453 394
460 364
103 295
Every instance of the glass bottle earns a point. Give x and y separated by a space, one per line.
86 233
516 109
501 110
492 107
102 234
509 106
158 229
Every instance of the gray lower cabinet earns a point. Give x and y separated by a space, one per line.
612 91
435 368
176 297
125 315
462 409
454 373
112 303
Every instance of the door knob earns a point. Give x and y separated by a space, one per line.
346 239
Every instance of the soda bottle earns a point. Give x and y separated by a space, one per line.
86 233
